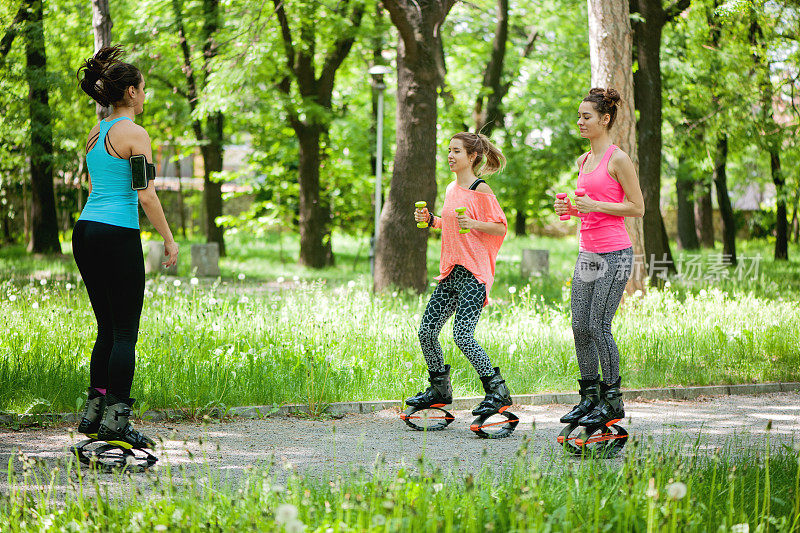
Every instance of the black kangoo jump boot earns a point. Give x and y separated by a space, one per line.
497 395
116 428
590 397
424 412
92 413
496 402
610 408
440 391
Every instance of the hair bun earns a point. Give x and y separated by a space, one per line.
611 95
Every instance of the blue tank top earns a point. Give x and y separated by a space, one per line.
112 201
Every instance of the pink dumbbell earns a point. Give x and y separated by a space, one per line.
562 196
580 191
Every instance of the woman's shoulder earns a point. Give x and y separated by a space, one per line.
619 157
484 188
129 127
581 159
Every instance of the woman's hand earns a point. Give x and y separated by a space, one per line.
171 253
464 222
421 215
562 206
584 204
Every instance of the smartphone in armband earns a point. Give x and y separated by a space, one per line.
139 172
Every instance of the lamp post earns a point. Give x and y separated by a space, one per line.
377 72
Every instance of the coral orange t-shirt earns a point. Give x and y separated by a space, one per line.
476 251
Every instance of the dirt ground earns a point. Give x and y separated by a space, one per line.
227 451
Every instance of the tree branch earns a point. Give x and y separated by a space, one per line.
169 84
530 43
286 33
336 56
11 33
399 18
188 71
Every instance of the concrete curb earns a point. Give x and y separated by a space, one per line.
342 408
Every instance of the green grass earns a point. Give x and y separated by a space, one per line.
673 487
230 342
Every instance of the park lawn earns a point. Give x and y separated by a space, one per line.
672 487
262 341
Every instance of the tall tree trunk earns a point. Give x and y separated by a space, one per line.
211 135
402 248
519 223
610 48
101 24
795 219
212 189
490 116
44 223
315 235
684 188
647 91
704 214
781 227
724 201
313 226
215 123
181 209
771 134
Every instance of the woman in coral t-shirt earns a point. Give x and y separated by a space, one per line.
466 271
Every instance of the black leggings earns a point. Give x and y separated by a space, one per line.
460 293
112 267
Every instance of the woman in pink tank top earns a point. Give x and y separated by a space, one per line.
466 271
605 259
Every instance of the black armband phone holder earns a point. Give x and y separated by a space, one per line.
142 172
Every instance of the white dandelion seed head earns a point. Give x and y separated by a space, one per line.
512 289
194 281
295 526
676 491
177 283
241 276
285 513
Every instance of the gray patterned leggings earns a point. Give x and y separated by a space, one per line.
597 286
460 293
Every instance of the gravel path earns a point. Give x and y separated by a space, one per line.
320 448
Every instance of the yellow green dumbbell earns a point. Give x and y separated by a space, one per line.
461 211
421 205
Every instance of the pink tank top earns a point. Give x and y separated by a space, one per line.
601 232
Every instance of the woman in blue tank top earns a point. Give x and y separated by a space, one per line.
107 246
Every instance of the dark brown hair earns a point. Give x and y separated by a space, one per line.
605 102
478 143
106 78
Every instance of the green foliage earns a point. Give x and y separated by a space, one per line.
673 486
276 337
